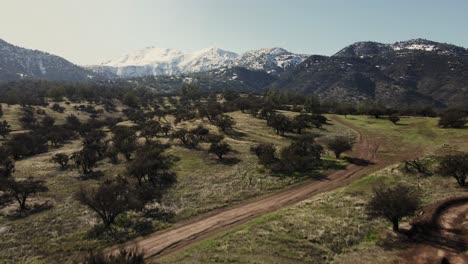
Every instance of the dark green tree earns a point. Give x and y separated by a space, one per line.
454 165
62 159
109 200
339 145
452 118
394 203
23 189
5 128
220 149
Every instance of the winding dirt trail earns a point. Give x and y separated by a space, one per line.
183 234
444 234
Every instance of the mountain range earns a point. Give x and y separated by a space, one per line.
154 61
409 72
20 63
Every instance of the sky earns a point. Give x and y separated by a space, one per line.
92 31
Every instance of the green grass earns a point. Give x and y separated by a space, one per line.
204 184
333 226
330 227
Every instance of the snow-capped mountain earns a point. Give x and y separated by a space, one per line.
19 63
414 72
367 49
159 61
274 60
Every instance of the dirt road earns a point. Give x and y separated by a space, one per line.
184 234
443 234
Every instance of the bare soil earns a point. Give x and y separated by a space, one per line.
441 232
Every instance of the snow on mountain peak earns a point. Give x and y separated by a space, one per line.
162 61
146 56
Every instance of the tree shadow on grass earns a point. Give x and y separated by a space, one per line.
230 161
332 165
294 137
235 134
358 161
34 209
94 175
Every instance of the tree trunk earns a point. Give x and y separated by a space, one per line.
396 228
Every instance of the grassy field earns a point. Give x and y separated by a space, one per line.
333 227
64 228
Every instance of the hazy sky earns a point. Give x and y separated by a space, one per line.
91 31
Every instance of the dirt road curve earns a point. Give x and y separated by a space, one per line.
182 235
446 235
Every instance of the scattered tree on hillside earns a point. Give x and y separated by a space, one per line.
280 123
186 138
301 155
27 118
301 122
150 129
57 108
62 159
452 118
47 122
394 118
7 165
339 145
27 144
220 149
57 135
224 123
166 129
73 123
125 140
94 140
109 200
86 160
23 189
345 109
152 166
5 128
266 153
318 120
211 110
200 132
394 203
312 105
416 165
130 99
454 165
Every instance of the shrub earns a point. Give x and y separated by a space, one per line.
122 257
452 118
454 165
